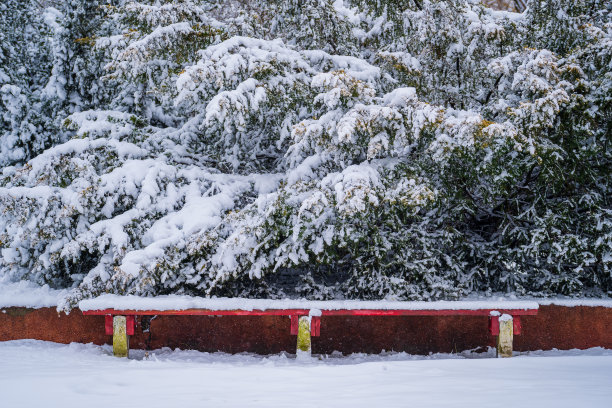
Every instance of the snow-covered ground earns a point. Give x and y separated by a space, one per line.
42 374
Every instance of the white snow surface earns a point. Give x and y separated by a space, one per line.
28 294
175 302
36 374
576 302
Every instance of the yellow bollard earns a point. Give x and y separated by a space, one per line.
121 341
504 339
303 337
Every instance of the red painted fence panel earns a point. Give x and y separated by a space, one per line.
553 327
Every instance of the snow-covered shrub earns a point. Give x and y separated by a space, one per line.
25 66
365 149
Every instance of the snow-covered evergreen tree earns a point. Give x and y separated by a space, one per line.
365 149
26 31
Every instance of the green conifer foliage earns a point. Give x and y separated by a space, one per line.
324 149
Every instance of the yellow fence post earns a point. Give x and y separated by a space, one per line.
121 341
303 337
504 339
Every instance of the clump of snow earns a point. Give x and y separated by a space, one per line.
315 312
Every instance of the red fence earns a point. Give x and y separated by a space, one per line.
553 327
